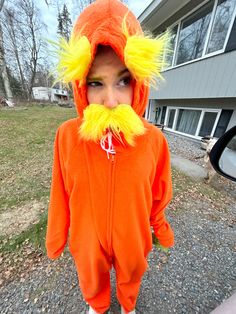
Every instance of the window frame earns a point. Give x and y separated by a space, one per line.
204 54
203 110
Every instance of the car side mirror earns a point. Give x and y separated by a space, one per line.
223 155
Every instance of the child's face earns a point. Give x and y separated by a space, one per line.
109 82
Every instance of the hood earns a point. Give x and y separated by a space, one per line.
109 22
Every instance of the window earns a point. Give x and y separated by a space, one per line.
201 33
195 122
171 116
193 34
223 122
157 114
188 121
163 115
207 123
170 54
223 16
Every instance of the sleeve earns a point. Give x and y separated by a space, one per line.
162 194
58 212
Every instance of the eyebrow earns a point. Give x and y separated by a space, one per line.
123 71
98 78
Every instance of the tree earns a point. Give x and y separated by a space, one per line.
32 25
3 66
64 23
15 84
24 44
16 87
11 28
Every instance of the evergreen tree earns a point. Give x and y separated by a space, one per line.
64 23
60 25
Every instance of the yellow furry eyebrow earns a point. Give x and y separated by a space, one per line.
144 55
74 57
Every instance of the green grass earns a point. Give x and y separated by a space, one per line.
26 154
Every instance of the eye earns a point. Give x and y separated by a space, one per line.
125 81
94 83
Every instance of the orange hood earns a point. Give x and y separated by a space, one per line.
111 23
101 23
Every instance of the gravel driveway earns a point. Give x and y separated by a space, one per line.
195 277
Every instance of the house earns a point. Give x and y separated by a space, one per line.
198 96
50 94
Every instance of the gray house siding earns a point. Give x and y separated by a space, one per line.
207 78
198 96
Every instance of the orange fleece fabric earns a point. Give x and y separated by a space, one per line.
119 198
106 206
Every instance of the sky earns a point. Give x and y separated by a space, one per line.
49 14
137 6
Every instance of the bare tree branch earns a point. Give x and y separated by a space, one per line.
23 38
10 27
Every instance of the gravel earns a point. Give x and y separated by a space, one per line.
194 277
185 147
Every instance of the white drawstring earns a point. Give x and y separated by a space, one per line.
107 139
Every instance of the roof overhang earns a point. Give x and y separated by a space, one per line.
159 11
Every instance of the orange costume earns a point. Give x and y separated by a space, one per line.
107 205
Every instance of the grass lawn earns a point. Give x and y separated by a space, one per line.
26 153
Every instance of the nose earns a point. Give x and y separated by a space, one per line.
110 98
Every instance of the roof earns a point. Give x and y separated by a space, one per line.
159 11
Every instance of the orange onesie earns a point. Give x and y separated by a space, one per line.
108 205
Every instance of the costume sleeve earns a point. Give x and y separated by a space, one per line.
58 212
162 194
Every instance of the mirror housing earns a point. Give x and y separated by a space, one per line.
217 154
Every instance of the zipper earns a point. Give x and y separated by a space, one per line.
110 203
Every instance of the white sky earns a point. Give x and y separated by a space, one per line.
49 14
137 6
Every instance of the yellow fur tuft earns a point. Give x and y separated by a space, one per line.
124 25
121 119
144 55
74 58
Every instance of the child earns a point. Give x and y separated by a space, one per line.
111 173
